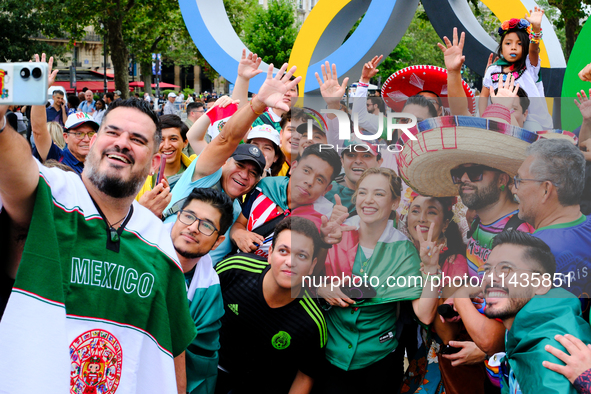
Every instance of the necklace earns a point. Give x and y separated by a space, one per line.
114 235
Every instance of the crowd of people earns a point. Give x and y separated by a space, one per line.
258 250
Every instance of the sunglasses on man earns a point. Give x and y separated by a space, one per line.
475 173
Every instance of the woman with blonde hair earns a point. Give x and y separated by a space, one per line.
363 318
57 134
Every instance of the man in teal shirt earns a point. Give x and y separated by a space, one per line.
518 289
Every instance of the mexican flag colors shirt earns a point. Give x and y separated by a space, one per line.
83 318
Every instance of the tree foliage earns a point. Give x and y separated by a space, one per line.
417 46
19 25
571 13
271 32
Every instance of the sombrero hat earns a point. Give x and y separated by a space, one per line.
561 134
446 142
415 79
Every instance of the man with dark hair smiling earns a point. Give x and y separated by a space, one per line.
200 227
273 334
517 285
224 164
98 281
301 195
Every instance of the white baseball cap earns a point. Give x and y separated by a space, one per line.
264 131
78 118
171 94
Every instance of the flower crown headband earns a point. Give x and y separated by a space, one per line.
514 23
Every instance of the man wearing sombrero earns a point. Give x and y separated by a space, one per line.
475 159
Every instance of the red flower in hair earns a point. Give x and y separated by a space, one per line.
513 22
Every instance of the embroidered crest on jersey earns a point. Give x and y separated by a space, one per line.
281 340
96 358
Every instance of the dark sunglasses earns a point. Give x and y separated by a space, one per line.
474 173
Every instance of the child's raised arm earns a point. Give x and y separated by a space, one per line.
535 19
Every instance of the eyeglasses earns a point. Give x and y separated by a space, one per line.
475 173
204 227
517 180
502 270
80 135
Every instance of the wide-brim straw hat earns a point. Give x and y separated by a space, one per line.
446 142
412 80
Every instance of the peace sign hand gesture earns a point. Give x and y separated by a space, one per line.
429 250
369 69
331 230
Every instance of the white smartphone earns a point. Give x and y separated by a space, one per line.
23 83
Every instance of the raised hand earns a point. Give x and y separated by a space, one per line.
584 104
223 102
331 231
248 67
535 18
585 73
272 91
506 93
50 74
452 52
330 89
369 69
577 360
429 250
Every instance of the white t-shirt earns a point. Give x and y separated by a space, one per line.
528 81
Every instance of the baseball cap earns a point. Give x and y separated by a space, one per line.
264 131
171 94
117 92
249 152
303 128
79 118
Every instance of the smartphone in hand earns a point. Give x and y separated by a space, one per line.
23 83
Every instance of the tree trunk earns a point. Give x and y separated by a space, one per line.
570 29
146 69
119 56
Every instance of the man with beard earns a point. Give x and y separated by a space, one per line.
517 287
97 275
201 223
486 191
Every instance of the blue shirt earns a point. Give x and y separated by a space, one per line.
571 246
85 107
54 115
183 188
63 156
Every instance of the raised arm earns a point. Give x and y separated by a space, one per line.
248 67
270 95
584 105
454 59
535 19
39 116
366 120
197 132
